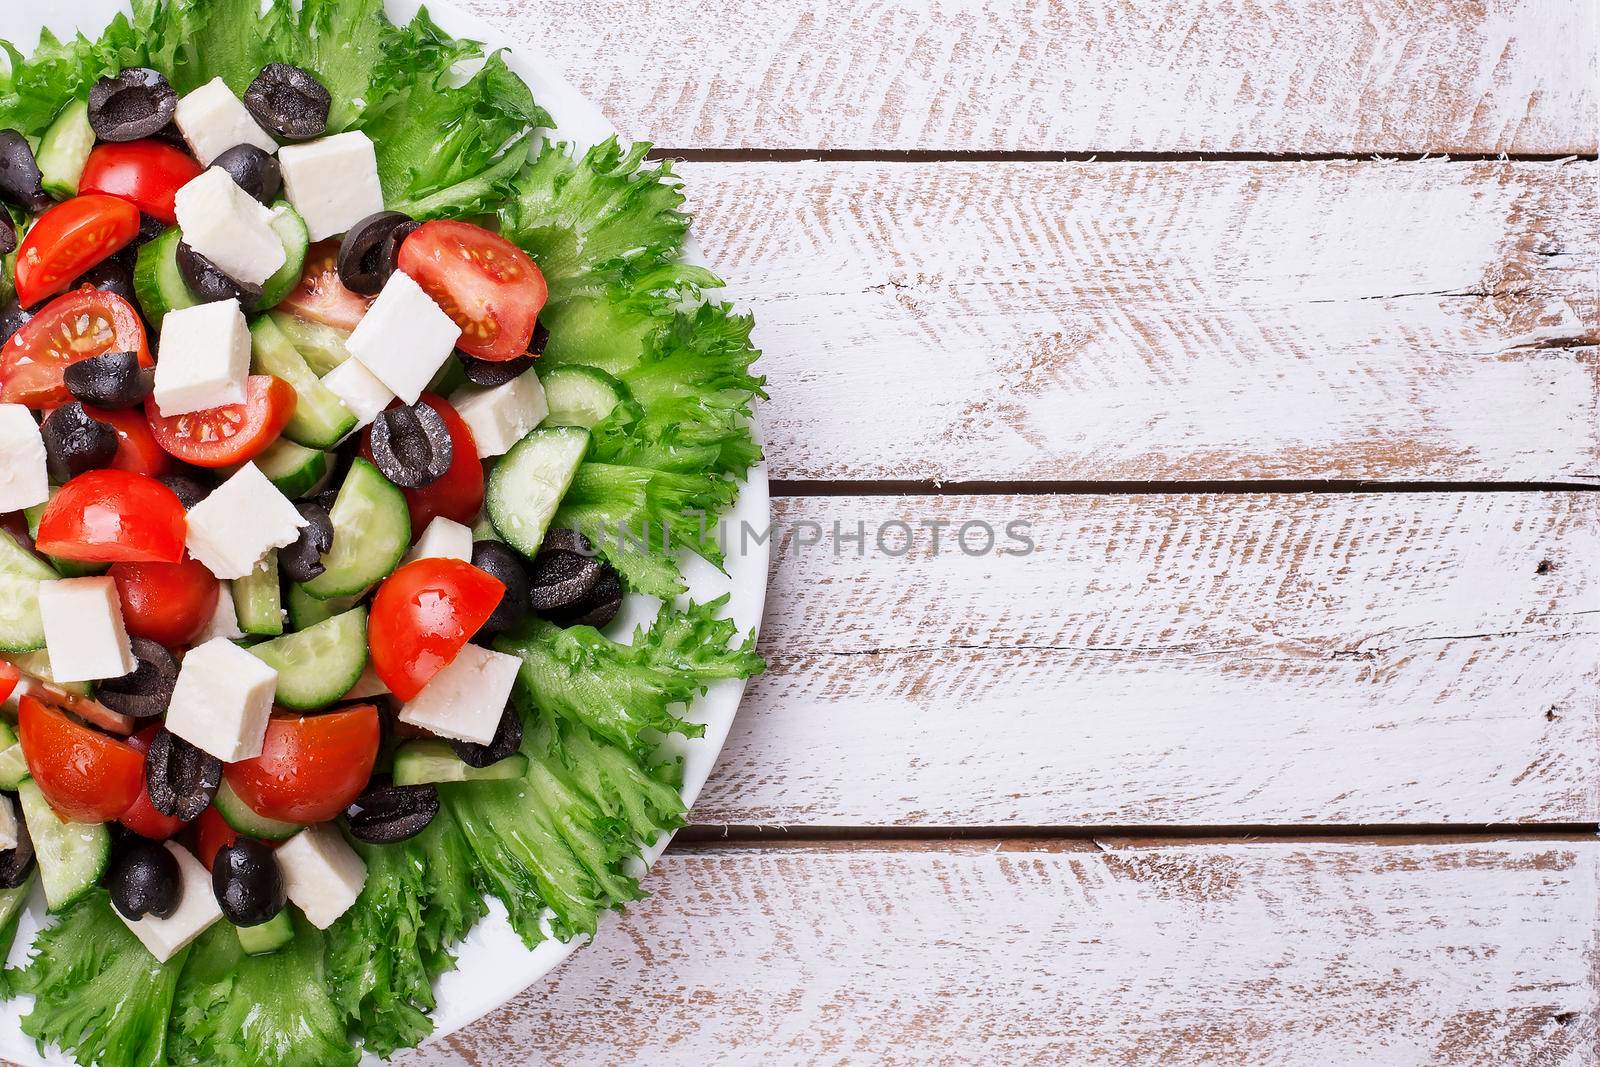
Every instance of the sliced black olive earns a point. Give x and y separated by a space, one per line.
136 103
559 579
190 491
8 235
396 238
507 741
150 228
13 317
111 380
20 180
114 275
17 863
75 441
505 563
147 691
289 102
490 373
365 262
411 446
211 283
598 608
247 882
145 880
386 814
302 561
182 779
252 170
541 339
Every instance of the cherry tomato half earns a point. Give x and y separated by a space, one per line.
230 434
459 494
110 516
321 296
142 817
84 774
9 677
137 451
488 285
146 173
170 603
422 616
311 766
69 239
76 326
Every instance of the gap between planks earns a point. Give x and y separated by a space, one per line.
704 837
819 487
850 155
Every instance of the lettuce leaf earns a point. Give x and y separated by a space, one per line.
98 992
35 88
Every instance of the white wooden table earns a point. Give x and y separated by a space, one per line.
1278 320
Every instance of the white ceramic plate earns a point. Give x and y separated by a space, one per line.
493 965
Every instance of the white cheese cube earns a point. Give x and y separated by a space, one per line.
229 227
368 685
83 629
8 824
443 539
213 120
197 910
242 520
501 416
333 183
360 390
222 700
404 338
205 358
224 619
321 873
24 477
466 699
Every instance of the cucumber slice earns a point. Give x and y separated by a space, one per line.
239 815
318 665
270 936
320 419
157 281
371 532
291 230
65 149
322 347
8 736
422 762
21 627
305 610
483 530
13 767
528 484
578 395
257 600
36 664
73 856
67 568
294 469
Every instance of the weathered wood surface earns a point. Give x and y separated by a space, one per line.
1276 76
1391 321
1180 660
1267 953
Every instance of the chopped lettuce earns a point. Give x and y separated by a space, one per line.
34 89
98 992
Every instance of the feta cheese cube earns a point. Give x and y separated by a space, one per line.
205 358
83 629
466 699
224 620
501 416
443 539
368 685
360 390
404 338
229 227
197 910
242 520
321 873
8 824
213 120
222 700
24 477
332 183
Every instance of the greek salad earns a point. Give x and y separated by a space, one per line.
341 404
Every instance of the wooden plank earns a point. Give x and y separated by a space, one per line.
1388 321
1076 75
1283 953
1177 660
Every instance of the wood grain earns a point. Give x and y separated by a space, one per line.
1182 660
1284 953
1386 321
1273 76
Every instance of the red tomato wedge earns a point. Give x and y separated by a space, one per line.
230 434
147 174
321 296
311 767
422 616
69 239
459 494
137 451
142 817
73 327
84 774
170 603
488 285
110 516
9 677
